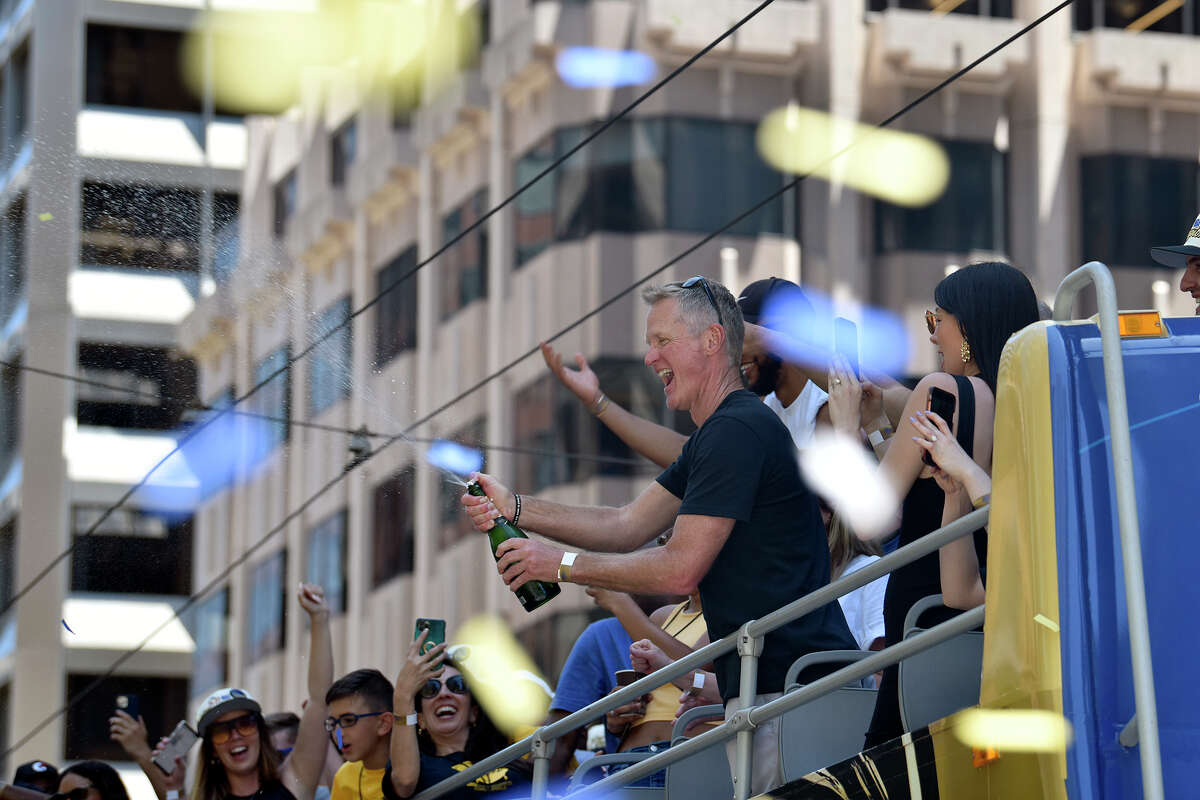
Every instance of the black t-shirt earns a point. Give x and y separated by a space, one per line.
271 791
435 769
741 465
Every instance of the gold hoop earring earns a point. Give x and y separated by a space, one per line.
966 351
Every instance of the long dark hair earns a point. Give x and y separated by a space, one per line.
212 783
483 738
103 777
991 301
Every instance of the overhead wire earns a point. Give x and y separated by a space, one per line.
297 512
362 430
553 165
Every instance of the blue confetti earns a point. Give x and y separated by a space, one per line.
454 457
68 627
596 67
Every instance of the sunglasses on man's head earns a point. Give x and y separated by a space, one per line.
221 732
703 283
454 683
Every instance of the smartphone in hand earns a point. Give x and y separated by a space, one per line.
130 704
627 676
178 745
437 632
941 403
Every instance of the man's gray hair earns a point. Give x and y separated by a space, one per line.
698 313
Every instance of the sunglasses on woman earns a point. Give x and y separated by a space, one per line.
454 683
221 732
931 321
78 793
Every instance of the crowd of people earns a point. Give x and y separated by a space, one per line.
728 532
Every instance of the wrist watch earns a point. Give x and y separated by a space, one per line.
564 567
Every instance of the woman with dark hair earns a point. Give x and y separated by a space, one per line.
90 780
237 759
978 308
440 730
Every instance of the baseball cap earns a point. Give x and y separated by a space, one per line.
36 775
222 701
1176 256
753 299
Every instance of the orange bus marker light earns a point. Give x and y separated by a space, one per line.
1140 325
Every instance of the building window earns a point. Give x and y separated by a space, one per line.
275 398
1130 202
392 527
1183 17
396 312
986 8
641 175
145 227
343 148
132 552
464 270
267 630
455 525
283 197
8 561
327 559
970 215
14 111
329 366
12 258
209 626
10 415
163 702
535 206
150 387
565 444
137 68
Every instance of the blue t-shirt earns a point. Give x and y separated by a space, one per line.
509 781
590 670
741 465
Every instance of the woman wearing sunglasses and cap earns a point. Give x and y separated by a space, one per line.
237 760
440 730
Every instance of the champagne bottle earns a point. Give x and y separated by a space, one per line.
533 594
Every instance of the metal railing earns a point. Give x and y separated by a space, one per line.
1098 274
748 642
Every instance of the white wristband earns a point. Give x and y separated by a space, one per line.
410 721
172 794
564 567
875 438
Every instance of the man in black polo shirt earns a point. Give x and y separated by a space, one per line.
747 530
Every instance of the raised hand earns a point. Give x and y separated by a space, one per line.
645 656
582 382
845 397
312 600
130 733
418 667
178 776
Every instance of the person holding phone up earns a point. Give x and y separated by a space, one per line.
237 761
977 308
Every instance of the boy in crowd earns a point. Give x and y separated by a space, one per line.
360 715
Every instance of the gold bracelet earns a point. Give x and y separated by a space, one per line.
600 405
982 501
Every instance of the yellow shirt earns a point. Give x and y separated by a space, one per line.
354 781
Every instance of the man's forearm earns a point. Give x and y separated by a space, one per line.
648 439
645 572
586 527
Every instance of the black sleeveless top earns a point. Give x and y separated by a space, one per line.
921 514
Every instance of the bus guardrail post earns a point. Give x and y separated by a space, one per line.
541 749
749 649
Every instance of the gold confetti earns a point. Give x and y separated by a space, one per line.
45 216
1046 622
1016 730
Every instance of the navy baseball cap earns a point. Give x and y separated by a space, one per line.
753 299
